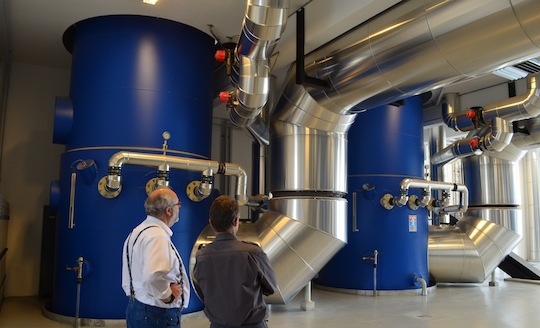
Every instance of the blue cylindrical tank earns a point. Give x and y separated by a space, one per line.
133 77
385 147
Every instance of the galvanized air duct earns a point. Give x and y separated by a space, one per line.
469 251
420 45
497 116
264 22
414 47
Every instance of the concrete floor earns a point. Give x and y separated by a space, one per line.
511 304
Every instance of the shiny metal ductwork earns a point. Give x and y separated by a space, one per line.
420 45
492 123
414 47
297 237
469 251
263 25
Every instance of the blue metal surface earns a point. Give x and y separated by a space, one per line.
133 78
385 146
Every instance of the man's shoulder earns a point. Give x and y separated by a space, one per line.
250 247
250 243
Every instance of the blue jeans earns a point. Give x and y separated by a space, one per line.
140 315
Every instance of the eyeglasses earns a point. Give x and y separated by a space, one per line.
179 204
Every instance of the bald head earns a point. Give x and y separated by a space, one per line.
159 200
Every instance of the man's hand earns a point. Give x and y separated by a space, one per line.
176 290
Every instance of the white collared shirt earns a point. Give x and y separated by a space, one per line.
155 264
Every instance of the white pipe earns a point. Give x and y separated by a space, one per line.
189 164
406 184
424 285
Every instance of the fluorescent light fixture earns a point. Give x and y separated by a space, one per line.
152 2
511 73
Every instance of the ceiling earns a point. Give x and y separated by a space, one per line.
31 30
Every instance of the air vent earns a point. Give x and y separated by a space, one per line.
520 70
530 66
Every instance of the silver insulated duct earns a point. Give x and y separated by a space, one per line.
469 251
414 47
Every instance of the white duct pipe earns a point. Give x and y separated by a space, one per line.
189 164
407 184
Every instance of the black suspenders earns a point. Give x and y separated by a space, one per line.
131 289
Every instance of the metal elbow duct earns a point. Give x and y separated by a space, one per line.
264 22
499 136
516 108
469 251
458 121
189 164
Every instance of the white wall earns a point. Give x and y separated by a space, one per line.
30 161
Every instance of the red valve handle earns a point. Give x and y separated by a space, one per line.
220 56
224 96
473 143
471 114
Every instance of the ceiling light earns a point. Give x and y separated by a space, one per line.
511 73
152 2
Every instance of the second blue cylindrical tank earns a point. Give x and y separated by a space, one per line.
385 146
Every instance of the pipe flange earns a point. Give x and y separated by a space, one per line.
106 191
413 202
192 191
386 201
151 185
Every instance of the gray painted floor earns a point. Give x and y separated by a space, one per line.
511 304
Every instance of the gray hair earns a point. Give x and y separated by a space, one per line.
157 202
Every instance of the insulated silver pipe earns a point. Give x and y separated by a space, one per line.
468 251
498 137
419 45
458 149
189 164
264 22
516 108
497 116
414 47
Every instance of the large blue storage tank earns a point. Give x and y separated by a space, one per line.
133 78
385 147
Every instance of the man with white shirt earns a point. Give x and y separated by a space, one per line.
153 275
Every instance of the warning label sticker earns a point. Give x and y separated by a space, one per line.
413 226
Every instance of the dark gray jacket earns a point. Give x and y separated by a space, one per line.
231 277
